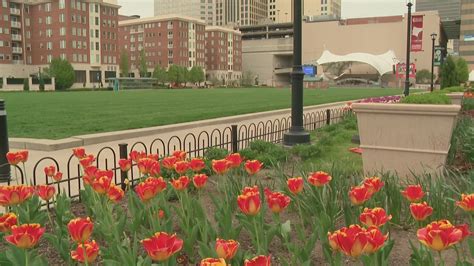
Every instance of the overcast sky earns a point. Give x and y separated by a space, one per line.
350 8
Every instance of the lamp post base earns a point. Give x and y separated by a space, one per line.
5 173
295 137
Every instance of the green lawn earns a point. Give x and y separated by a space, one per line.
64 114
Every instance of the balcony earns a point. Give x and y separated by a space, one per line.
16 24
15 11
16 37
17 50
17 62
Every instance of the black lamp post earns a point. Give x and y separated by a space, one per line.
297 134
433 38
407 78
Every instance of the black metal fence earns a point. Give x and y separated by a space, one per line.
232 138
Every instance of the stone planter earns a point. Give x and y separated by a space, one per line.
405 139
456 97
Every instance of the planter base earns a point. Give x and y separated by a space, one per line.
406 139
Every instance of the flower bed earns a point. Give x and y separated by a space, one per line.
235 211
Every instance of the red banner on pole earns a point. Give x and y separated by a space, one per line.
401 70
417 33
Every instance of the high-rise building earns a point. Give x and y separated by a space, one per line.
466 44
165 40
240 13
33 32
281 11
449 12
199 9
223 54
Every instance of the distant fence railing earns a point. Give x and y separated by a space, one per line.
233 138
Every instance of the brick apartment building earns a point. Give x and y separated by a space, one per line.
167 40
184 41
33 32
223 54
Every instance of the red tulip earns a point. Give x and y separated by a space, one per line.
465 231
14 158
145 165
213 262
351 240
161 246
249 203
102 184
439 235
200 181
108 173
137 156
80 229
149 188
197 164
25 236
375 240
115 193
253 189
319 179
359 195
153 156
295 185
125 165
181 167
277 202
259 261
234 160
89 174
180 183
58 176
374 217
168 162
220 166
180 155
14 195
79 153
87 161
24 155
226 249
253 167
155 170
420 211
45 192
161 214
89 249
373 184
50 171
467 202
7 221
413 193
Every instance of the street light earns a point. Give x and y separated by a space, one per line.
433 38
407 77
297 134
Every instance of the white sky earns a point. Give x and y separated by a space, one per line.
350 8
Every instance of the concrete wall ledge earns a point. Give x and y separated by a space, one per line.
90 139
429 109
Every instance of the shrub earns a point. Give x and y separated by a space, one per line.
26 85
215 154
63 72
427 98
266 152
423 76
306 152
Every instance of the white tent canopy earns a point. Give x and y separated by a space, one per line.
471 76
382 63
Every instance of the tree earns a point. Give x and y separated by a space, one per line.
26 84
160 74
143 64
63 72
196 74
173 74
184 75
124 64
423 76
449 75
462 70
247 78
